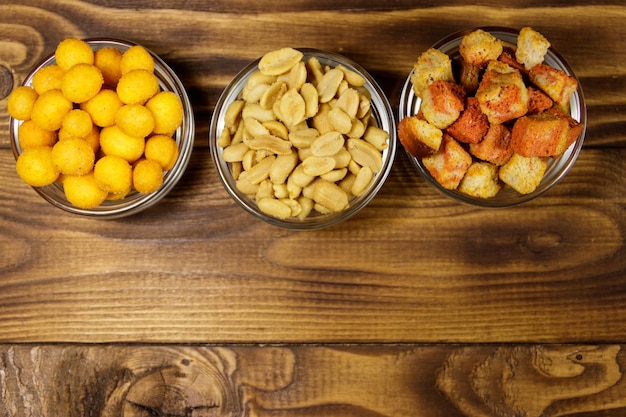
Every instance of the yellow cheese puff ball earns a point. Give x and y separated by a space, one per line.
71 51
147 176
73 156
83 191
135 120
162 149
118 196
108 61
81 82
115 142
35 167
47 78
167 109
113 174
50 109
21 101
103 107
137 86
31 135
93 139
137 57
77 123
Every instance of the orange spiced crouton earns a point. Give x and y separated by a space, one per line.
449 164
508 57
481 180
538 101
531 47
432 65
468 75
442 103
419 137
495 146
480 47
544 134
502 93
554 82
471 125
523 174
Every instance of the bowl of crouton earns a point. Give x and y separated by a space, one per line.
492 116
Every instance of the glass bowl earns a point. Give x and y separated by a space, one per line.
134 202
382 115
556 168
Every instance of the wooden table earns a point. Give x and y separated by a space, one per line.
416 306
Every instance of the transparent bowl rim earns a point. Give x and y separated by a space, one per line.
382 112
557 167
135 202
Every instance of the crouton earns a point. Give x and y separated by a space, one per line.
531 47
495 146
480 47
481 180
544 134
432 65
442 103
468 75
508 57
502 93
449 164
523 174
538 101
419 137
554 82
471 125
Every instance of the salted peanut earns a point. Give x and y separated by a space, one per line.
315 69
297 76
343 86
365 107
352 77
311 99
254 94
358 129
233 112
224 139
342 158
304 153
293 189
365 154
246 186
340 120
335 175
248 160
303 138
255 111
280 190
292 107
320 120
327 144
293 204
236 169
274 208
377 137
349 101
276 128
282 167
354 167
254 128
328 85
270 143
273 93
347 182
279 61
257 78
299 177
235 153
306 206
260 171
330 195
318 165
265 190
237 137
362 181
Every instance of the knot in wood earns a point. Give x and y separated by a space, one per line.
6 82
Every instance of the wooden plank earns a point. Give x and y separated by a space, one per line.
311 381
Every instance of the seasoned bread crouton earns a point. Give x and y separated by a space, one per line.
471 125
523 174
442 103
468 75
538 101
495 146
502 93
480 47
508 57
481 180
544 134
432 65
554 82
419 137
531 47
449 164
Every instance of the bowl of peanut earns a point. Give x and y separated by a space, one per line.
492 117
303 138
101 128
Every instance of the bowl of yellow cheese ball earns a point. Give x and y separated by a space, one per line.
101 127
303 138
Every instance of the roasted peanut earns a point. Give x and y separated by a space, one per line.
271 94
235 153
328 85
377 137
327 144
362 181
318 165
279 61
233 112
365 154
270 143
292 107
330 195
282 167
260 171
274 207
339 120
